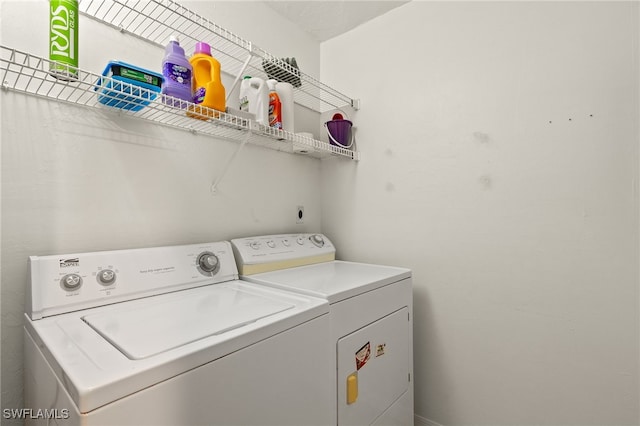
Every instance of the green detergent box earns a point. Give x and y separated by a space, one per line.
127 86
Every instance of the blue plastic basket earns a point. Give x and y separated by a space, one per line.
127 86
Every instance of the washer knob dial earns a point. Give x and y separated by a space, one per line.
106 277
208 262
271 243
300 240
317 240
71 282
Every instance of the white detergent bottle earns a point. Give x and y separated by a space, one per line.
285 93
254 98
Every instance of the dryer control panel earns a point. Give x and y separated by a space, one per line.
70 282
273 252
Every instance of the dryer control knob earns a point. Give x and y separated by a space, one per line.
300 240
106 277
208 262
71 282
317 240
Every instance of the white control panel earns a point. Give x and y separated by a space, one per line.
271 252
64 283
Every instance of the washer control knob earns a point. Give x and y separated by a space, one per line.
271 243
255 245
71 282
106 277
317 240
300 240
285 242
208 262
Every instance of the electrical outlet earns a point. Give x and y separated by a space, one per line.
300 214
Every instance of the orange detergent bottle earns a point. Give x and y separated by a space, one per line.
208 90
275 106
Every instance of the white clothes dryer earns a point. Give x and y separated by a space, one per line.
170 336
371 312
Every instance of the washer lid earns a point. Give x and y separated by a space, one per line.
165 325
95 371
334 281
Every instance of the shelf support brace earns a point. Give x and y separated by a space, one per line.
239 76
216 183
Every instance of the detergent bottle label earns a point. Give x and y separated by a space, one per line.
275 111
244 103
177 73
198 95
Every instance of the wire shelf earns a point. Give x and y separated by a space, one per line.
23 72
156 20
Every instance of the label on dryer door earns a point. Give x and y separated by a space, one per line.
363 355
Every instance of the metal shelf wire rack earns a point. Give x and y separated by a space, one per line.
156 20
23 72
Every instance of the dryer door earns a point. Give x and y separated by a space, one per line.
373 368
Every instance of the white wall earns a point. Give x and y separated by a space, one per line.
499 148
76 180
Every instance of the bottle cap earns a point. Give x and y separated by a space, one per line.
202 47
246 77
271 84
174 38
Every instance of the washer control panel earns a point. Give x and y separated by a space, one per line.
271 252
64 283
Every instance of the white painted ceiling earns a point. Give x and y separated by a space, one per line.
328 19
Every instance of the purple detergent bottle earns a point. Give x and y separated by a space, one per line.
177 72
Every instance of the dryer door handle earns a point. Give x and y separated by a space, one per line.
352 388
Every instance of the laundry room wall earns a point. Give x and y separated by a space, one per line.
499 161
77 179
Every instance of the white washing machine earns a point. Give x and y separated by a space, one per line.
170 336
371 321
